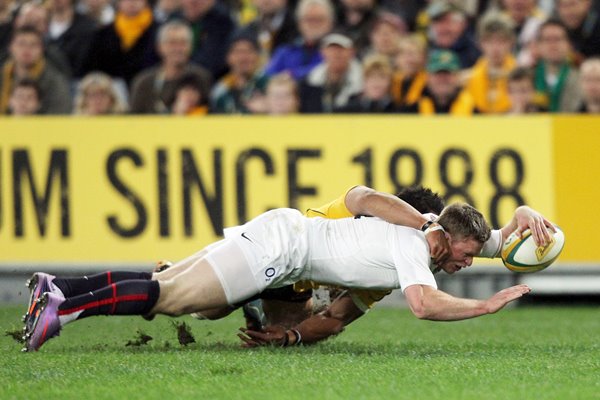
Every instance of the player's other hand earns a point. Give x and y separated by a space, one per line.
505 296
439 248
528 218
270 335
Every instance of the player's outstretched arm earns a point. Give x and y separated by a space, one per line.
362 200
330 322
527 218
429 303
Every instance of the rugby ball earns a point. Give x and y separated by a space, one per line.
520 254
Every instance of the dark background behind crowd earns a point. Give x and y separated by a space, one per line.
199 57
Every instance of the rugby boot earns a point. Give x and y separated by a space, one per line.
38 284
45 322
256 319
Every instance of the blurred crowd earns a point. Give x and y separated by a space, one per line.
199 57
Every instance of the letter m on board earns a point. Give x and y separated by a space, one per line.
56 181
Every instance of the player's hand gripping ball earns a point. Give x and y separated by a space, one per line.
521 254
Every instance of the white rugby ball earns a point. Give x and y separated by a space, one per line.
520 254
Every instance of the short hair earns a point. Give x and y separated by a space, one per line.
463 221
304 4
27 30
496 23
519 74
193 81
376 63
552 22
173 25
28 83
424 200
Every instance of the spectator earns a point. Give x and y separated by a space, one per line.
190 97
71 32
25 98
449 31
26 61
583 25
556 82
212 27
97 95
35 15
125 47
165 10
241 91
273 27
590 86
375 97
355 19
443 94
488 83
527 18
385 34
521 92
100 11
282 95
153 89
331 84
315 20
410 77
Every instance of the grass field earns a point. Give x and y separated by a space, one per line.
522 353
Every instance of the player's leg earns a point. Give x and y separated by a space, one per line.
181 266
211 285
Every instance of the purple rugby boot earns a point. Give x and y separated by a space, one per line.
38 284
45 322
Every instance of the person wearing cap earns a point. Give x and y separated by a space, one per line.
330 85
488 81
449 30
315 20
443 93
153 89
242 90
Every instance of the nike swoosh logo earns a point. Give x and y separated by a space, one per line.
246 237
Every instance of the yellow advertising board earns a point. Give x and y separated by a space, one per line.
141 189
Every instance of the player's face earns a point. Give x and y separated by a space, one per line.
462 252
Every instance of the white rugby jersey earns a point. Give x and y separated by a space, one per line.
366 253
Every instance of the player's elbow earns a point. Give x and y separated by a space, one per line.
420 313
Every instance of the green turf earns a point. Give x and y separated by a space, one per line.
522 353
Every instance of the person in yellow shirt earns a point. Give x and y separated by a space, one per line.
488 83
443 93
410 76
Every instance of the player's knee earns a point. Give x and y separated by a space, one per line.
172 301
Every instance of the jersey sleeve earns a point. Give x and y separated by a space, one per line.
412 263
492 247
333 210
366 299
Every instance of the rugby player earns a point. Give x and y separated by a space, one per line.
275 249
